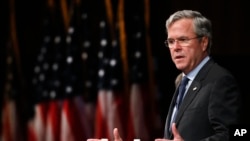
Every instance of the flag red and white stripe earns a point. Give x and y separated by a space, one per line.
53 123
77 119
108 114
137 127
37 125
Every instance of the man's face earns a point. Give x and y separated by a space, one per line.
187 50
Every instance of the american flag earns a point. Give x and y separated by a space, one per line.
77 112
139 120
45 125
89 62
66 91
110 84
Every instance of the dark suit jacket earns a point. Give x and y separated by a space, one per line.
210 107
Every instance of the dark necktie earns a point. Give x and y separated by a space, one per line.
182 89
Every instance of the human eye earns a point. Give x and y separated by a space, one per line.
182 39
170 41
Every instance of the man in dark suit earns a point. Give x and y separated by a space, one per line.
211 101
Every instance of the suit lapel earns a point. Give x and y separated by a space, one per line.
170 111
193 89
191 94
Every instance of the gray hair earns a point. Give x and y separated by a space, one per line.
202 25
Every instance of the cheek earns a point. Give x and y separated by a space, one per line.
194 51
172 53
190 55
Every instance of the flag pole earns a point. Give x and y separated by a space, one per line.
123 52
150 63
123 45
109 12
50 3
13 104
65 14
13 37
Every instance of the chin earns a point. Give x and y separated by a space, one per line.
179 67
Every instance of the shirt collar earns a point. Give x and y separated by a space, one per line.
195 71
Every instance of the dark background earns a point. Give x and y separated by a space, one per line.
230 40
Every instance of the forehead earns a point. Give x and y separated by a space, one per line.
182 27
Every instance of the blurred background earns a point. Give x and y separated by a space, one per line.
75 69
